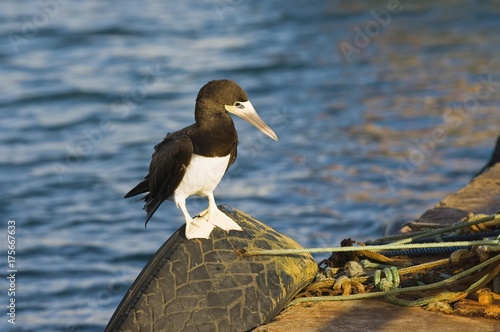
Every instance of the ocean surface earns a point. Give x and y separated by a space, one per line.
381 108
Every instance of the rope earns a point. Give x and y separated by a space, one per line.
387 278
390 281
486 220
450 238
422 251
470 221
391 246
468 236
401 244
489 248
447 297
396 291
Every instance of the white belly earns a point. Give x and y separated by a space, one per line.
202 176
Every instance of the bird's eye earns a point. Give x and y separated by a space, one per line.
239 104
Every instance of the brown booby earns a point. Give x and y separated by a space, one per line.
193 160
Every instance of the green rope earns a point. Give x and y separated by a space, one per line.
488 220
489 248
390 246
447 297
389 285
401 244
390 281
477 283
396 291
475 220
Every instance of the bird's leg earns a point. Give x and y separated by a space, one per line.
216 217
205 214
195 228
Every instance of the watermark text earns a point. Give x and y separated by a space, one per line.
11 271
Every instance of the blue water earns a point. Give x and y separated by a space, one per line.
373 127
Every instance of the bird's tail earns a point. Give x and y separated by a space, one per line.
152 204
141 188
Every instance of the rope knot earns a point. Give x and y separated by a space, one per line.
353 269
459 255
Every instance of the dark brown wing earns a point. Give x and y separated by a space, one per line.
168 166
233 156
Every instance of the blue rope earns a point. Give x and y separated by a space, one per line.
422 251
436 251
464 237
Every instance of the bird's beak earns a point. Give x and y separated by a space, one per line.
246 111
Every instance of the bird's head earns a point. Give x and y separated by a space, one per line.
227 96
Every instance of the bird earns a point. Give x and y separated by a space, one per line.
193 160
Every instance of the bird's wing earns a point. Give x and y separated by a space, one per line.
233 156
168 166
